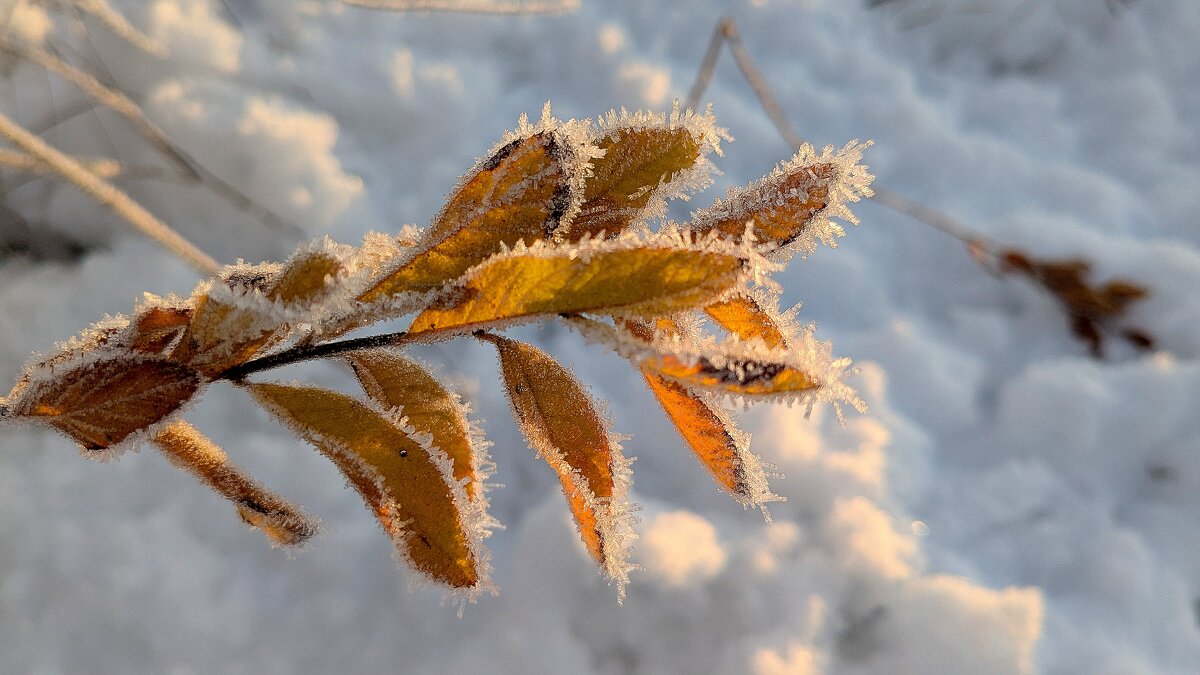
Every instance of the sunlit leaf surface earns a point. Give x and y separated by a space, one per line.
561 422
402 482
636 162
652 280
519 193
394 381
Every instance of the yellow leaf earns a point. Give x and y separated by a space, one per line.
396 382
750 377
283 523
646 280
100 401
406 484
563 426
744 317
521 192
636 162
796 201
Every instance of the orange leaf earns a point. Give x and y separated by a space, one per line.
523 191
100 400
720 447
647 158
563 426
396 382
744 317
283 523
222 334
408 485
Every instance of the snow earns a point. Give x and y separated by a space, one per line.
1008 505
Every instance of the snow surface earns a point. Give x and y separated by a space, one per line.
1008 505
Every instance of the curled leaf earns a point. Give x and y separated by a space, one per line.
626 275
394 381
523 191
407 484
157 325
309 276
283 523
792 207
223 332
561 422
101 399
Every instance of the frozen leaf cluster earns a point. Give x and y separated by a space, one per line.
560 221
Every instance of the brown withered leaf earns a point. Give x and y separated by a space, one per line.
733 376
648 280
101 400
744 317
282 522
561 422
404 483
107 335
807 192
636 162
521 192
794 204
157 326
1089 309
394 381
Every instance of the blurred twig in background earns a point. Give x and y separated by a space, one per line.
471 6
1091 310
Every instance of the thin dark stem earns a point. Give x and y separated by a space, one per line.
310 352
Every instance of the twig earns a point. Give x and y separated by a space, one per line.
726 32
108 195
120 26
124 106
469 6
309 352
23 161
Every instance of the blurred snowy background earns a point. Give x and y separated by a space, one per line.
1009 505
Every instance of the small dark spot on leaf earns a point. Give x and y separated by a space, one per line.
746 372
